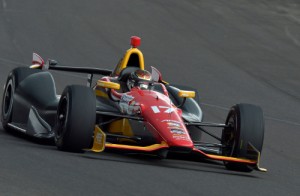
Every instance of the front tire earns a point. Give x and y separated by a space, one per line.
246 125
15 77
76 116
7 102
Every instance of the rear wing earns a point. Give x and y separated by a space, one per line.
39 63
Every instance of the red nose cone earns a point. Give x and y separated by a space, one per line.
135 41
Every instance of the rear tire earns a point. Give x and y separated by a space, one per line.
75 121
15 77
246 126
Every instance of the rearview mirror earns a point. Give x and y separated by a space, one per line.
186 94
106 84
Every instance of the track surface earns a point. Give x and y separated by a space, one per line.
232 51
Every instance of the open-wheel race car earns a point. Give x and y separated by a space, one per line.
128 109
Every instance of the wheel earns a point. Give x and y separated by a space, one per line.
76 117
7 102
13 80
246 125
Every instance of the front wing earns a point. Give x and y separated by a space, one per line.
99 144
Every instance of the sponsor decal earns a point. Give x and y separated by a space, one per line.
98 138
179 134
126 98
173 127
180 137
177 131
128 106
172 124
173 121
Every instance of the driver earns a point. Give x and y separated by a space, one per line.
139 78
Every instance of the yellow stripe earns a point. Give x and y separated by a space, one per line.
139 148
106 84
225 158
100 93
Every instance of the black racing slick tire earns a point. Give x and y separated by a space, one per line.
75 121
246 126
15 77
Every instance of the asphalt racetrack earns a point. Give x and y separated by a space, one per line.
238 51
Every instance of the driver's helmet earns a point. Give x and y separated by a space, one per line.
139 78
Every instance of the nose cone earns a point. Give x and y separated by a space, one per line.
178 138
164 118
168 123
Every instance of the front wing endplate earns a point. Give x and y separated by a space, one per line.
99 140
257 166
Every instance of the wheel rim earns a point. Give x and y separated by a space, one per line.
8 100
228 136
62 116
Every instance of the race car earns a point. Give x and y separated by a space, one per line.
127 109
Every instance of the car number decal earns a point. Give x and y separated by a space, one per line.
164 109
